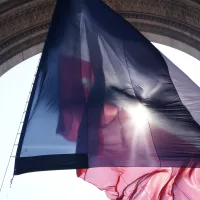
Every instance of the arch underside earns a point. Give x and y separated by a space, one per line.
24 25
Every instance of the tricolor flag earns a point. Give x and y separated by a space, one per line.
106 102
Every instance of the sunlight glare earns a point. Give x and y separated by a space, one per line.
139 114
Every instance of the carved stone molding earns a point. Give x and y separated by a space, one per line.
24 23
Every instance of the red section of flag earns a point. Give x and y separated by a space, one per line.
145 183
76 80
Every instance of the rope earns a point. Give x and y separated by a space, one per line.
16 141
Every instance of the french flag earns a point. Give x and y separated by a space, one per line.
107 103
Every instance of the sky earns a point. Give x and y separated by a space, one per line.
14 88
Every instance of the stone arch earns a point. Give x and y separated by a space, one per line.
24 25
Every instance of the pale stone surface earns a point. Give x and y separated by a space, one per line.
32 51
20 58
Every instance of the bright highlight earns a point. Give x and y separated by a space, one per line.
139 114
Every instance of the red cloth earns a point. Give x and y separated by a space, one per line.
76 86
145 183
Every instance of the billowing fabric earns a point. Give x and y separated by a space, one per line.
145 183
104 96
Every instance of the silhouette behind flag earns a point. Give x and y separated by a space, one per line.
104 96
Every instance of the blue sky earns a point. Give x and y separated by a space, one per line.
14 88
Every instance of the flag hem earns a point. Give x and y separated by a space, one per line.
50 162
